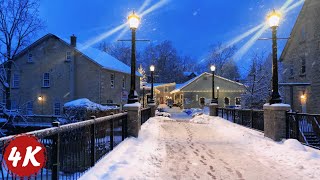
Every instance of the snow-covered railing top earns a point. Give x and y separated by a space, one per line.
64 128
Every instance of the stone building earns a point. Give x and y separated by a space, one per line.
197 92
51 72
301 61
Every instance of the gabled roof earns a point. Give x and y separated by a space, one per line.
100 58
181 86
285 50
187 73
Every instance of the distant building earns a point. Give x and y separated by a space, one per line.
301 61
197 92
51 72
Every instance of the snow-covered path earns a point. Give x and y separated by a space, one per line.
168 149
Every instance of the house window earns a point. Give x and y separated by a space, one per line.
29 108
202 101
57 108
68 56
238 101
226 101
291 71
46 80
16 81
303 66
30 58
197 97
112 80
123 82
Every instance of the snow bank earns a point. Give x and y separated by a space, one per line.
86 103
164 114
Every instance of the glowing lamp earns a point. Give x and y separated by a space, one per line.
274 19
133 20
213 68
303 96
152 68
218 88
40 98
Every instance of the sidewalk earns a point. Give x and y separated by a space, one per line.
218 149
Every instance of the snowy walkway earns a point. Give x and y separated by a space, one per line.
167 149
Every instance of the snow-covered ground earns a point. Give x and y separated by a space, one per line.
205 148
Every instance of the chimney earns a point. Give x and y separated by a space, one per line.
73 41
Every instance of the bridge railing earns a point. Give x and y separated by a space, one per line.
304 127
247 117
145 114
73 148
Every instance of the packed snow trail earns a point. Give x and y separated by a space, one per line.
168 149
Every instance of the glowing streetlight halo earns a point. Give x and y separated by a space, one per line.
152 68
133 20
274 18
213 68
40 98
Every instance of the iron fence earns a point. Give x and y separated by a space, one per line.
247 117
145 114
73 148
304 127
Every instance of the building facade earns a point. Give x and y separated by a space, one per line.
51 72
301 61
197 92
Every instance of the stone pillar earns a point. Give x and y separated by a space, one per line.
275 121
134 118
153 109
213 109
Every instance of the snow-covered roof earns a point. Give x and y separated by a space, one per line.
99 57
181 86
104 59
160 84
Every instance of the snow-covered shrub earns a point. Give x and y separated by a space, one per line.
83 109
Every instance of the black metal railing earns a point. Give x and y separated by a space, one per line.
145 114
247 117
73 148
304 127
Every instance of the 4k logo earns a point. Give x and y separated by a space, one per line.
25 155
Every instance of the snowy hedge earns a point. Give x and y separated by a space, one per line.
83 109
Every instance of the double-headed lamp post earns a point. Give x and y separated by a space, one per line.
274 20
213 69
152 68
133 21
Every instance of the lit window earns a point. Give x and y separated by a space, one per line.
112 80
68 56
16 81
29 108
238 101
46 80
123 82
57 108
30 58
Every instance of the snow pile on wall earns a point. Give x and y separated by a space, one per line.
83 109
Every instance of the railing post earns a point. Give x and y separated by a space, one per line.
111 134
234 116
222 112
242 117
297 126
251 124
123 128
287 125
55 153
93 143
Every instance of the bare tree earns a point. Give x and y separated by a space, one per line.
19 21
258 82
221 57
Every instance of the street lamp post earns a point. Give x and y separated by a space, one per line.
143 95
274 20
134 22
152 68
213 69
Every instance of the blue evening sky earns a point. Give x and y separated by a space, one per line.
191 25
